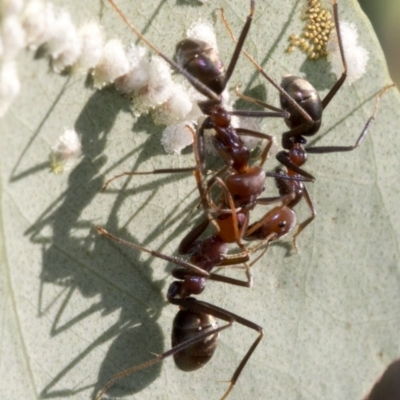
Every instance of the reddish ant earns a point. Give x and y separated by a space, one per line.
241 183
305 117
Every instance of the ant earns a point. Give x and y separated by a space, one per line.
242 183
195 329
305 117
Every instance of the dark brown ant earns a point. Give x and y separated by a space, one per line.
305 117
195 329
280 220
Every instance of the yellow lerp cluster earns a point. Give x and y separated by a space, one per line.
316 32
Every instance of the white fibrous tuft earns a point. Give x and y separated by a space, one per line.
64 44
9 85
38 20
112 65
65 152
203 31
176 108
13 37
11 7
356 55
253 124
177 137
138 74
92 43
158 89
194 97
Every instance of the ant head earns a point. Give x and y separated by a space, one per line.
202 62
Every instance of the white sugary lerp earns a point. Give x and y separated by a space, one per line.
92 44
159 87
176 108
10 85
10 7
65 152
356 55
64 43
176 137
38 20
113 64
138 75
12 36
203 31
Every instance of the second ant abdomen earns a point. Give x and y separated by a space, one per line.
307 98
202 62
187 324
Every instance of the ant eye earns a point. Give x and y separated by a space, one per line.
282 224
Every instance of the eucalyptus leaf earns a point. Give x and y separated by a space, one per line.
76 308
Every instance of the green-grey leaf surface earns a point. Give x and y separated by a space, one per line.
76 308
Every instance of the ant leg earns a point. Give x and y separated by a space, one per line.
283 158
267 240
239 44
259 114
166 170
231 281
283 92
259 135
303 225
226 228
260 103
371 119
188 268
341 80
175 260
155 171
207 124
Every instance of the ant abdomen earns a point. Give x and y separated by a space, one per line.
307 98
202 62
246 188
188 324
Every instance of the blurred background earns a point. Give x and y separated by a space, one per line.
385 18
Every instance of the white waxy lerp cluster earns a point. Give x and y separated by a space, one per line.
65 152
12 41
356 55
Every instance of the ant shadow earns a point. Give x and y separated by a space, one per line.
77 260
